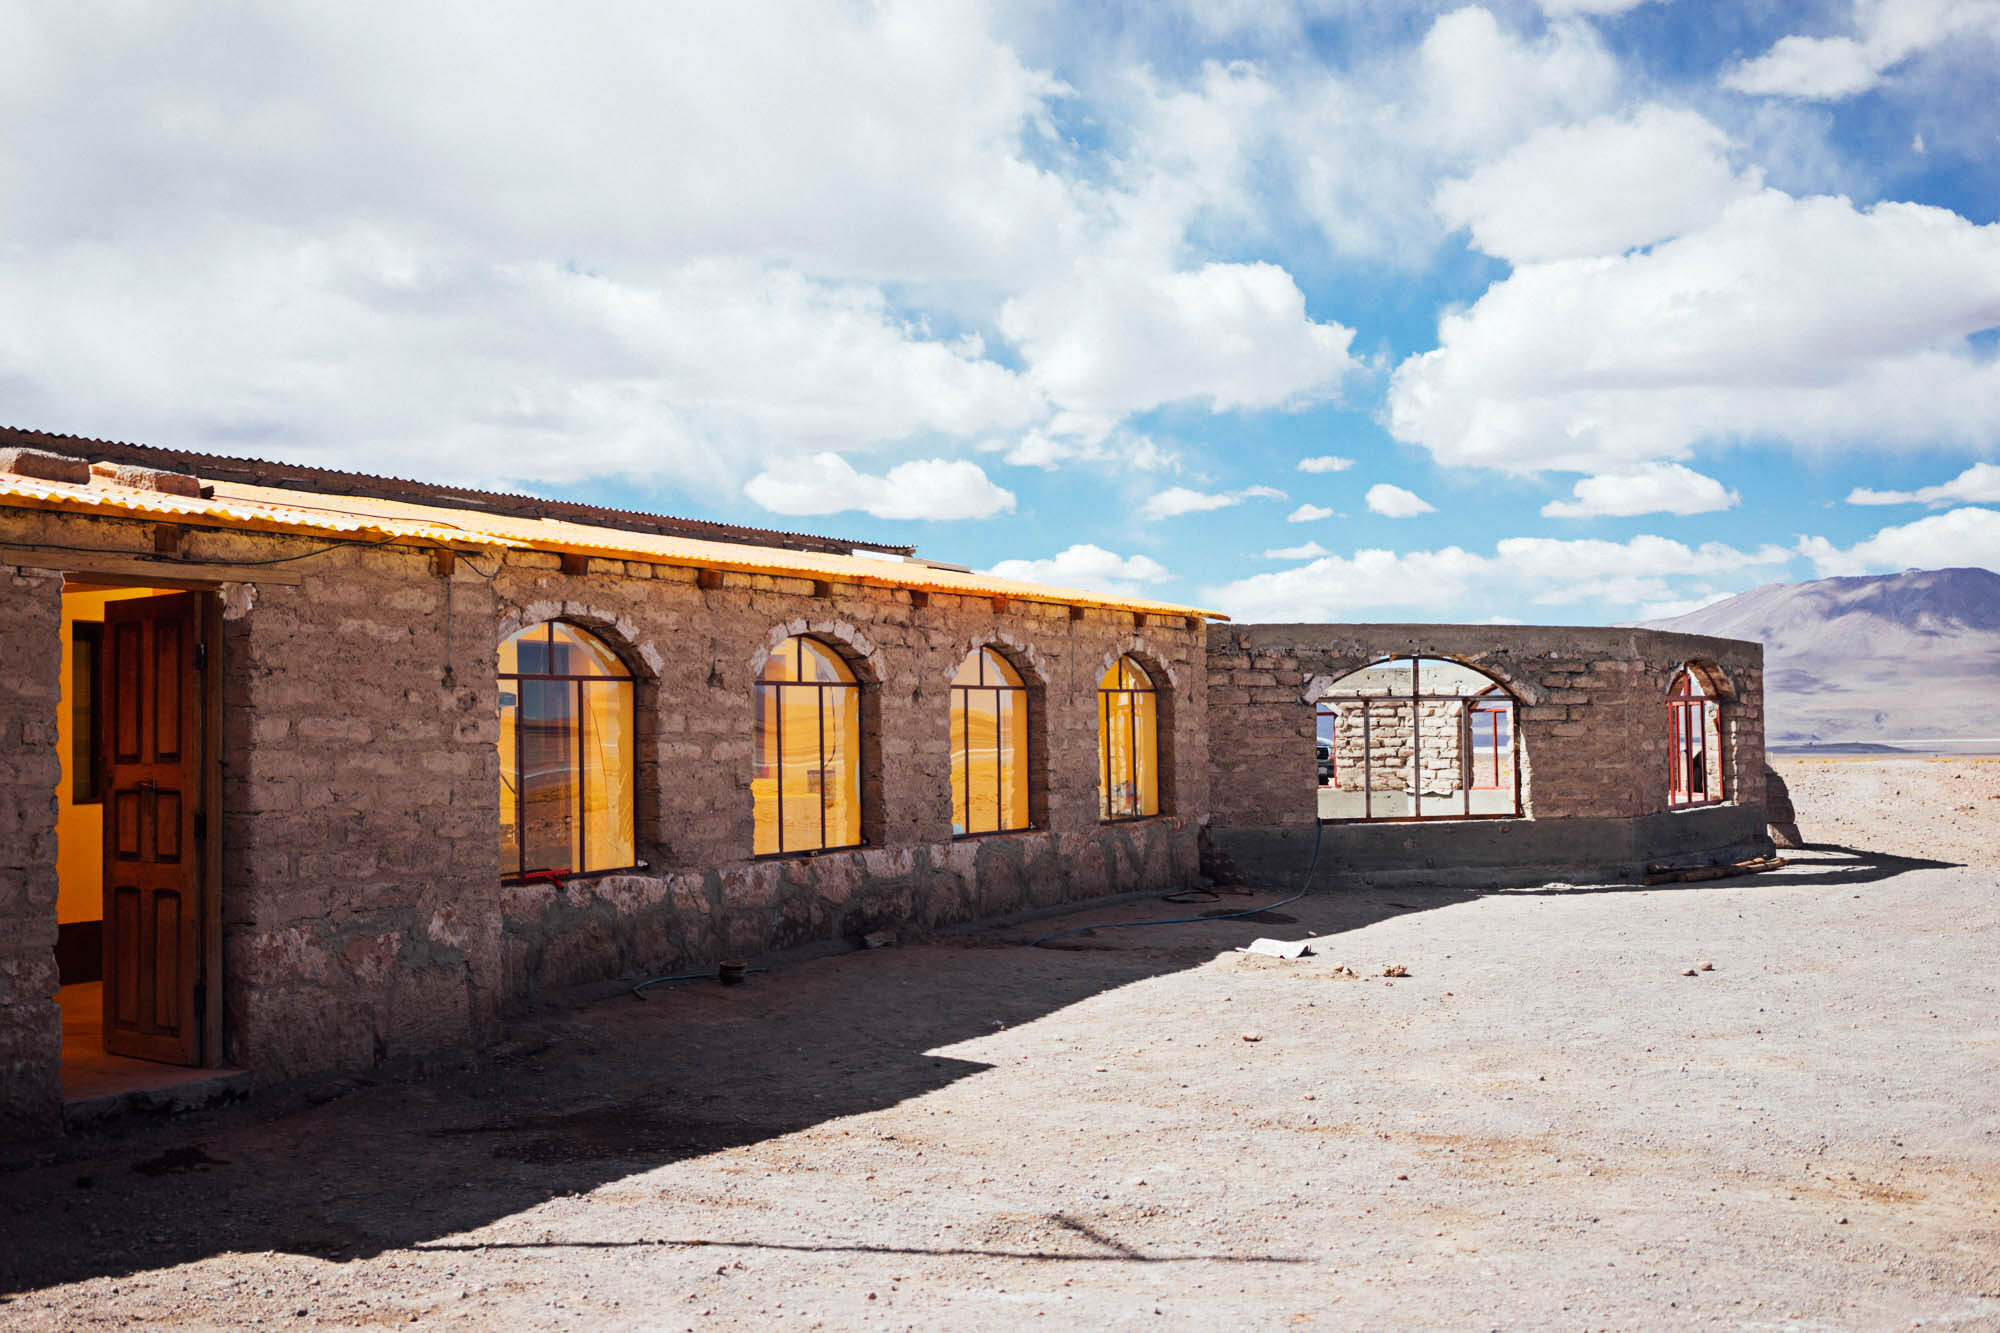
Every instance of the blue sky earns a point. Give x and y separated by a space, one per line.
1578 311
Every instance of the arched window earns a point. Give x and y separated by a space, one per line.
1417 738
989 746
1694 741
1128 743
566 748
806 789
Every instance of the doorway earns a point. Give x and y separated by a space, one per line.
138 941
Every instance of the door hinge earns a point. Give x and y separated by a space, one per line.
201 657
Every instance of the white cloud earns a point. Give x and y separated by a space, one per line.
1733 331
1119 337
1598 188
1656 488
1050 449
1178 500
1325 463
1089 567
928 488
1310 551
1395 502
1979 483
1553 572
1831 69
1600 8
1955 539
1308 513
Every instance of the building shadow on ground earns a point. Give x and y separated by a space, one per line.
346 1168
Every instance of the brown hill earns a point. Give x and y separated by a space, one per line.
1889 658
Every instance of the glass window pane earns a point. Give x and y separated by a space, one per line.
842 766
1013 759
1112 679
549 796
968 671
1121 797
958 760
608 754
576 653
783 663
510 778
818 661
1146 755
982 760
1384 678
801 781
764 776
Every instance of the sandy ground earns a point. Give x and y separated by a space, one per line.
1546 1124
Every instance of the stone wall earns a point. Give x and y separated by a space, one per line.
1591 716
30 1027
364 916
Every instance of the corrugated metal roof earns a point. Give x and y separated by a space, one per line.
269 509
312 479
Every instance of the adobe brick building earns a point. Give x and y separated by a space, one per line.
303 770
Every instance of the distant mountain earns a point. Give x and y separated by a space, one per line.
1884 657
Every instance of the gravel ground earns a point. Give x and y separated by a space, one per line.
1548 1123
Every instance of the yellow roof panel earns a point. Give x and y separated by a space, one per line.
270 509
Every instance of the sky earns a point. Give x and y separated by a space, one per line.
1570 312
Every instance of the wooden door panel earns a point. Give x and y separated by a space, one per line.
152 739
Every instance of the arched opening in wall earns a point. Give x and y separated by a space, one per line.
567 745
990 764
1417 738
1128 743
1694 740
806 787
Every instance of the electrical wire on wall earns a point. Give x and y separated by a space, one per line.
1311 869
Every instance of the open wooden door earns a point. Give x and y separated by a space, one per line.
152 738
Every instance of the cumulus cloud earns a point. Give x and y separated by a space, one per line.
1119 338
1731 331
1053 448
1310 551
1598 188
1395 502
1547 570
1657 488
1954 539
826 483
1832 69
1308 513
1325 463
1979 483
1177 500
1090 567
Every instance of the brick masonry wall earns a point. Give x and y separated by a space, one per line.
363 912
1591 711
30 1026
699 651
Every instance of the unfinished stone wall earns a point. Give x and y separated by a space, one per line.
1591 716
30 1026
1381 753
363 912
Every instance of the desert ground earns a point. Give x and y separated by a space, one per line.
1770 1102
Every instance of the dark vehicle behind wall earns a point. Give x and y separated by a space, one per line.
1325 754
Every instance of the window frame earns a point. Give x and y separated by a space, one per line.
960 699
1683 701
1105 814
520 874
854 683
1414 700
